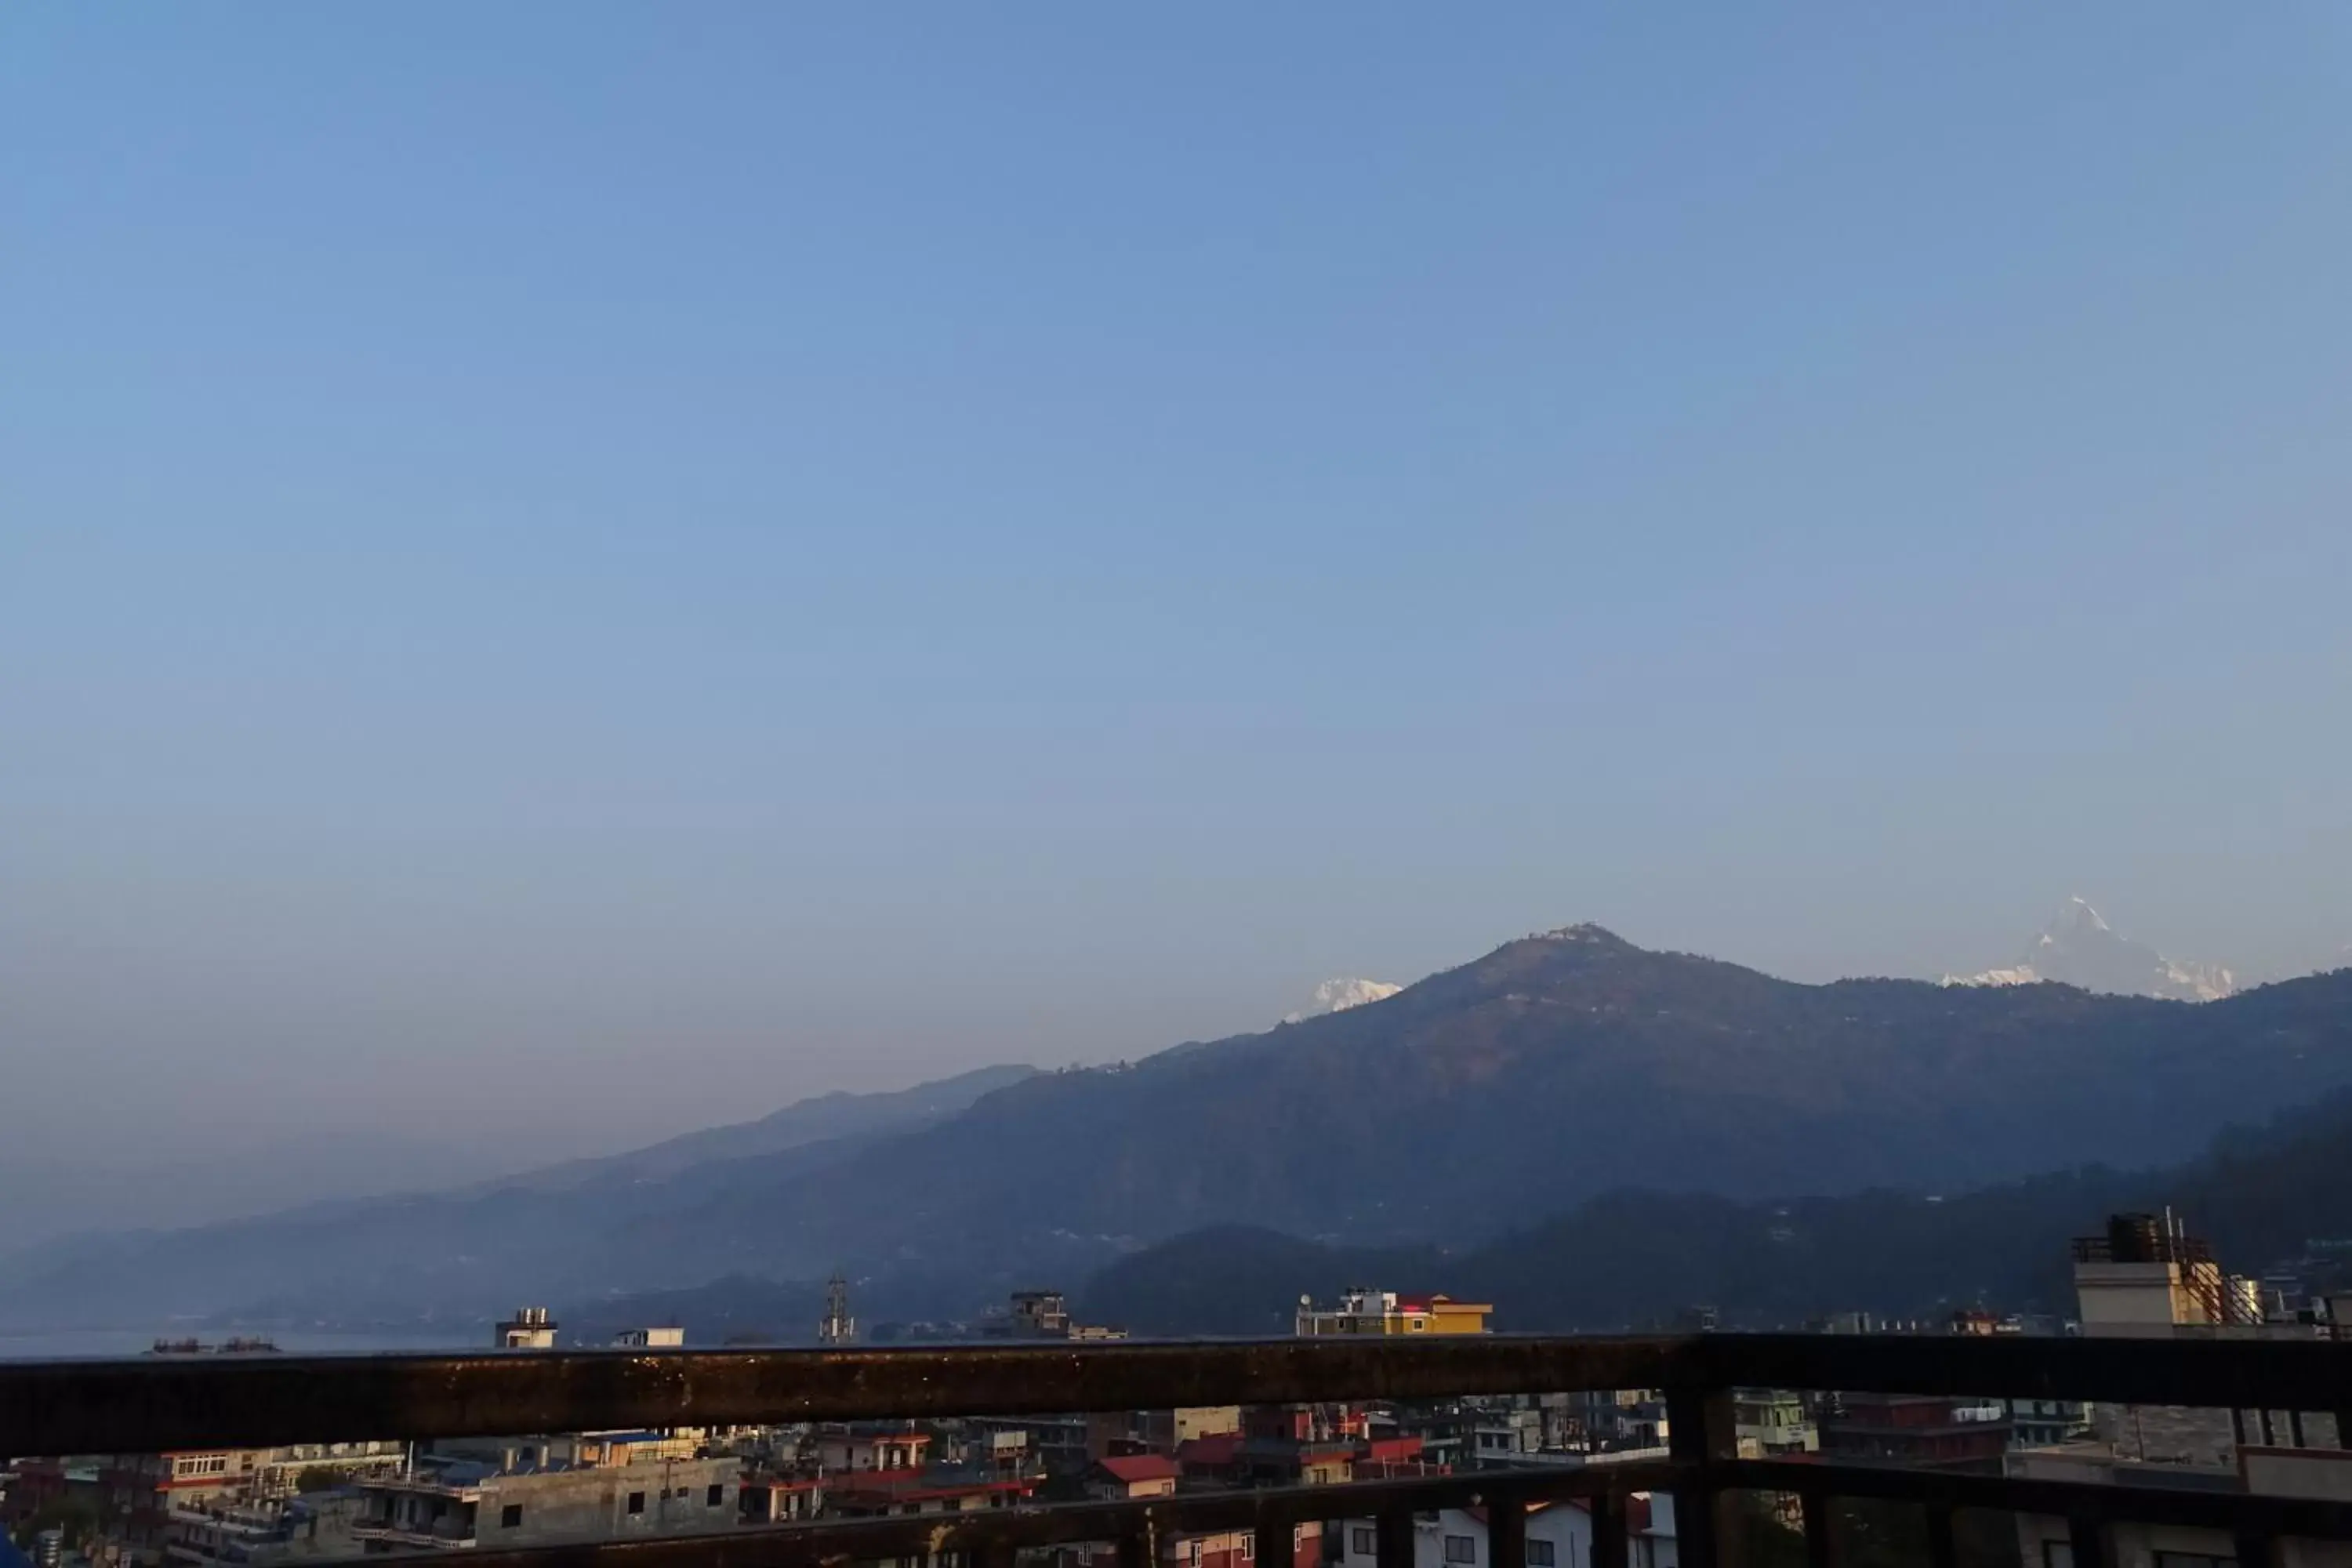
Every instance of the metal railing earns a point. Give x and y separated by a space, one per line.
161 1404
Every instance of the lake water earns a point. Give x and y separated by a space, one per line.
55 1344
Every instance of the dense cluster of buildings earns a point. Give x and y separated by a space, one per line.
252 1508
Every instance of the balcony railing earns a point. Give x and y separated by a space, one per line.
151 1405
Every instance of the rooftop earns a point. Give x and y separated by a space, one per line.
159 1404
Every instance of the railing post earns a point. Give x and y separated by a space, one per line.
1700 1436
1137 1540
1821 1529
1942 1551
1395 1539
2088 1539
1273 1533
1506 1530
1608 1529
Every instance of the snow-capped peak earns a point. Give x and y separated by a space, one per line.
2076 914
2079 947
1338 995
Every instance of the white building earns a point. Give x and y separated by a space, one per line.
530 1328
2326 1474
1559 1535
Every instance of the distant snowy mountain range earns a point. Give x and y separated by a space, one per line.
2079 947
1338 995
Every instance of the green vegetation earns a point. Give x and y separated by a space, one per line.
1634 1259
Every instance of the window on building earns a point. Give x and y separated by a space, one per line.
1361 1541
1539 1553
511 1516
636 1502
1462 1549
1249 1547
1193 1553
714 1497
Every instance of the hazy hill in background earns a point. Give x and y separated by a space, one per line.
822 1118
1551 1070
416 1251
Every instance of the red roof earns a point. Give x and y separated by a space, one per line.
1133 1468
1579 1504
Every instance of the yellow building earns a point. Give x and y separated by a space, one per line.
1361 1312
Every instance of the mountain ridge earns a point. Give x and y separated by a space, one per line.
1633 1259
1564 1064
818 1119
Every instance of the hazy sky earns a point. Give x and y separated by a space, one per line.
578 571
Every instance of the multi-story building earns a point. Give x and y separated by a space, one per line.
1156 1431
770 1498
2148 1277
2322 1475
1772 1422
573 1449
1559 1535
1046 1315
1041 1314
1509 1437
1612 1421
454 1503
305 1467
1360 1311
253 1535
885 1445
1003 1454
875 1496
1057 1444
144 1503
1211 1548
1919 1430
2040 1423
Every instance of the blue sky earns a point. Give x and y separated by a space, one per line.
648 561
